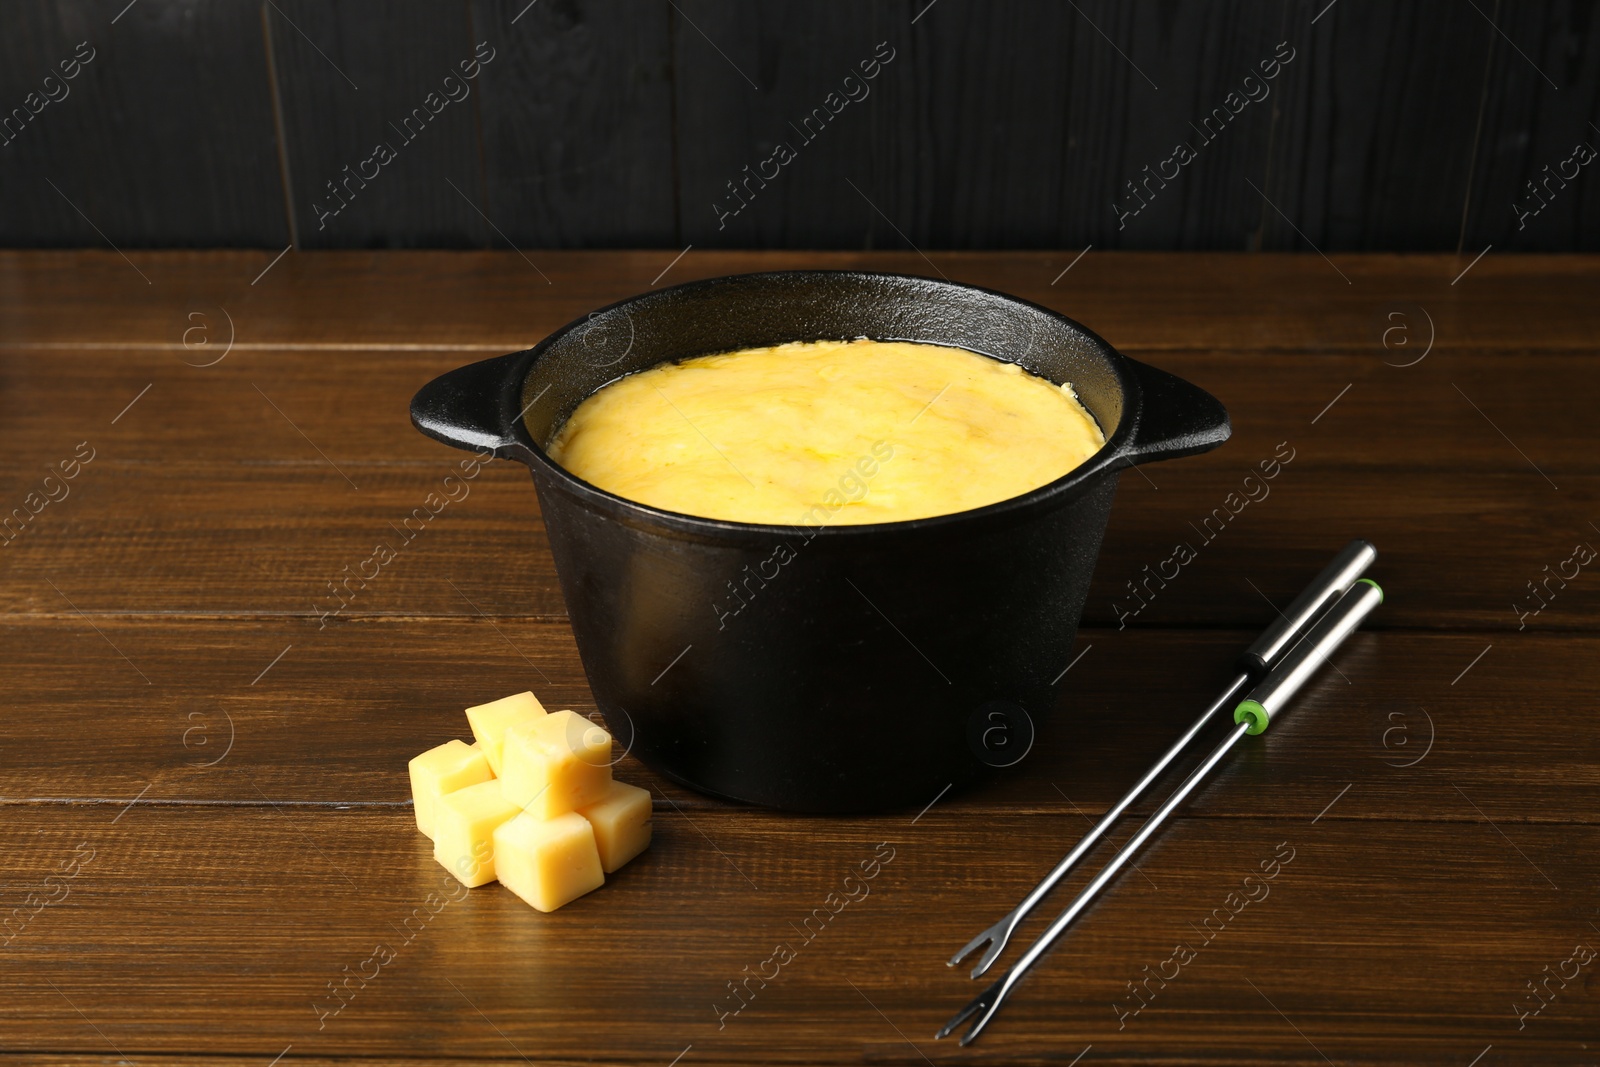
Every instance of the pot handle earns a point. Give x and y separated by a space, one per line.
1174 419
474 407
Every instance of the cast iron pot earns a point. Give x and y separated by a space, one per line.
822 668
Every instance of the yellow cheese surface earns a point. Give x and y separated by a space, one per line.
621 824
451 766
827 432
548 862
556 764
463 830
490 721
552 827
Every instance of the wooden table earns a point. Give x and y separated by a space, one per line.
206 822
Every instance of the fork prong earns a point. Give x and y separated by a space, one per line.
973 1007
977 1026
984 1005
998 929
992 998
997 945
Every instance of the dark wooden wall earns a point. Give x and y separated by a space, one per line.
616 123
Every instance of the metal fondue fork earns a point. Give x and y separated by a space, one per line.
1252 717
1260 657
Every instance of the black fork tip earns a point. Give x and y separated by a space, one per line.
956 1020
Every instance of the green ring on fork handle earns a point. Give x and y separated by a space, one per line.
1252 714
1250 711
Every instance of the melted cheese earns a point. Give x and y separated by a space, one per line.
827 432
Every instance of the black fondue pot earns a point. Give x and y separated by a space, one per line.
813 667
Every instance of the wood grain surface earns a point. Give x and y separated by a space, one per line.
1002 124
221 767
157 140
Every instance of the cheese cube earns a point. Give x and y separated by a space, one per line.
490 721
621 824
547 862
556 764
451 766
464 825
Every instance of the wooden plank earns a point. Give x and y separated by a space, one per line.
577 124
1069 115
163 137
1119 127
743 90
254 711
1391 417
1349 146
238 711
1543 76
1379 127
1070 111
392 107
1459 550
262 539
229 927
492 302
265 539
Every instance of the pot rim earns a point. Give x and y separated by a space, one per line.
1112 456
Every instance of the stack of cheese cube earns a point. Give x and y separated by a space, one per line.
531 803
